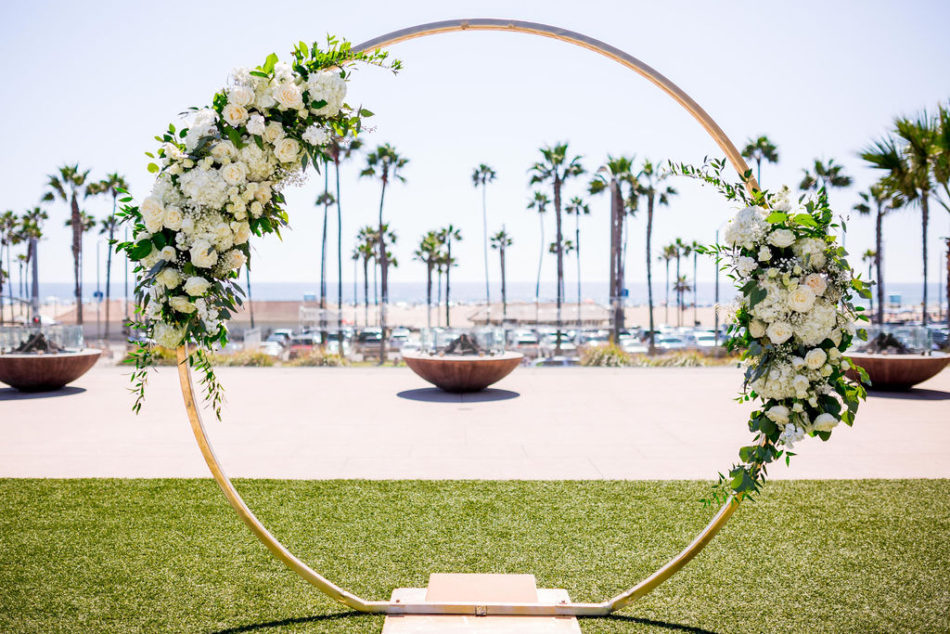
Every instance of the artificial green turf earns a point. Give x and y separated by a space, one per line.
169 555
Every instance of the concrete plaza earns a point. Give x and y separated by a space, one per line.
547 423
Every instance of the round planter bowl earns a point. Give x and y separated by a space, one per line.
459 373
45 372
898 371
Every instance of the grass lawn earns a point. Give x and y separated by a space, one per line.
169 555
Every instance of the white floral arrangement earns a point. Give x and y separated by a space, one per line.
793 322
219 181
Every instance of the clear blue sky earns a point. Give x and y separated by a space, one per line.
94 81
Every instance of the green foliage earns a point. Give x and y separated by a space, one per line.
244 359
317 358
608 355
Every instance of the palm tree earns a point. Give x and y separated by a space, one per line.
68 184
941 171
683 250
481 176
367 250
385 164
826 175
884 201
667 254
341 149
9 224
31 230
501 241
611 176
326 199
758 150
870 257
577 207
556 168
539 203
694 246
908 171
447 235
428 252
111 185
681 287
650 186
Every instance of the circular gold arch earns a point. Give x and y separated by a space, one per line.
526 609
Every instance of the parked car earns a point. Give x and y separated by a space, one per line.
669 342
272 348
707 341
634 346
303 344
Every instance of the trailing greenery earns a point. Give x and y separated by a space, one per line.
170 555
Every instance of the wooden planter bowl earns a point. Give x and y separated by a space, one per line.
898 371
457 373
45 372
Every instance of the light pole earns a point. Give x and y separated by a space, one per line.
98 291
35 290
716 302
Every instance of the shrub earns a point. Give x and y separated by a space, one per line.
318 359
246 359
607 356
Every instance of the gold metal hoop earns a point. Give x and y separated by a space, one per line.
525 609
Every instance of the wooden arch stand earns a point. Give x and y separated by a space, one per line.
546 606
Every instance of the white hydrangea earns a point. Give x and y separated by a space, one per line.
791 435
167 335
204 187
811 251
256 125
817 324
747 229
327 86
315 135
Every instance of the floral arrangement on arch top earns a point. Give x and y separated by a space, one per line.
219 181
793 322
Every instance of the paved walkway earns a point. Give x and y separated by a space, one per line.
557 423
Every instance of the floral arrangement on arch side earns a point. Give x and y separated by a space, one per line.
794 321
219 181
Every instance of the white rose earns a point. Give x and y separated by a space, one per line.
196 286
202 255
778 414
234 260
182 304
315 135
745 266
168 254
779 332
168 277
835 336
167 335
242 232
173 218
815 358
845 365
765 253
816 283
256 209
834 354
223 150
263 193
153 213
801 299
288 95
798 363
781 238
223 238
240 95
757 328
255 125
800 385
273 132
234 173
153 258
826 370
234 114
824 422
286 150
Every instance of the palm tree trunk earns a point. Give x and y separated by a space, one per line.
695 290
125 295
438 301
323 267
366 292
948 282
616 211
652 347
339 255
666 303
679 293
925 213
577 254
77 255
559 241
537 284
758 171
504 291
879 263
429 295
250 302
485 244
448 274
109 276
384 278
